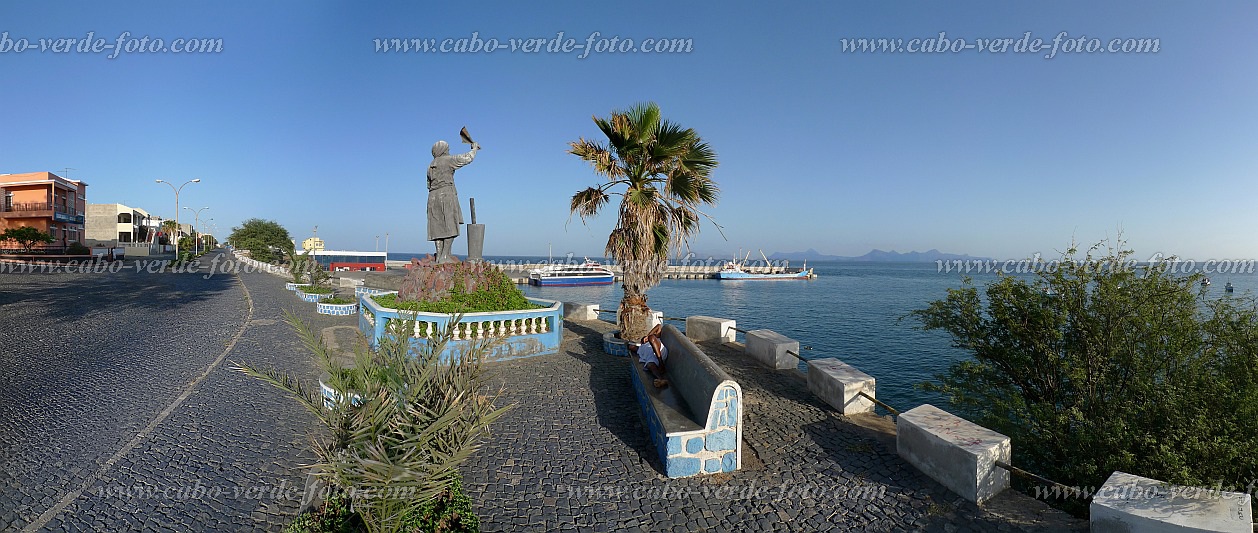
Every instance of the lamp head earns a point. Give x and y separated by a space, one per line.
198 180
160 181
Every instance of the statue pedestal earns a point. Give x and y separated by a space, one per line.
475 242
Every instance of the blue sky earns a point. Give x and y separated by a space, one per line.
299 120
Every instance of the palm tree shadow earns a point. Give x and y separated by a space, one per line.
615 404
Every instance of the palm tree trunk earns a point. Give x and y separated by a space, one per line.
635 316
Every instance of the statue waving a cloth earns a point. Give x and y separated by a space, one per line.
444 212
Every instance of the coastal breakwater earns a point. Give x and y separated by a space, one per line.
519 272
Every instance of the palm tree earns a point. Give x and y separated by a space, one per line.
400 421
664 170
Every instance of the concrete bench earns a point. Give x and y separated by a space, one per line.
959 454
1128 502
696 422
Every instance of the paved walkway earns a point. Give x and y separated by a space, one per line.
119 411
574 456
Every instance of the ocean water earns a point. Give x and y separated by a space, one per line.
856 312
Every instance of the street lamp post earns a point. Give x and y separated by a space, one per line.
196 229
180 188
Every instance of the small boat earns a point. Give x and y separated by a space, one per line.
1205 283
587 273
1229 288
734 270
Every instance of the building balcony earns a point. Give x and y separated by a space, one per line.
59 213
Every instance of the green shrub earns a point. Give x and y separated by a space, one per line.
77 248
1100 366
314 289
337 300
454 288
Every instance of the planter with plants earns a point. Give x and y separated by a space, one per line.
314 293
336 306
359 291
318 288
298 271
491 306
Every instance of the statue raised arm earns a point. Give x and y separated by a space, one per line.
444 212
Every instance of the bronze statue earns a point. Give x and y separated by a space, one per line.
444 212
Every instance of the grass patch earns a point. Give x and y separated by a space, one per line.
337 300
315 290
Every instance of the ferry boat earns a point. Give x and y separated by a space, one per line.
587 273
734 270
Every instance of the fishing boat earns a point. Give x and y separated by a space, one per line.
735 270
587 273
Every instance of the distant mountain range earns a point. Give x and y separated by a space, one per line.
876 256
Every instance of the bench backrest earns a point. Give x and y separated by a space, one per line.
695 376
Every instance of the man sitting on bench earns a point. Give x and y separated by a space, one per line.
652 354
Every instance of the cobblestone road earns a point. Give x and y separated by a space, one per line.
119 410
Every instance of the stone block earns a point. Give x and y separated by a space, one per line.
959 454
580 311
840 384
769 348
1128 503
657 317
706 328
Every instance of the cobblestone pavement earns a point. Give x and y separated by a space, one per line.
119 409
574 456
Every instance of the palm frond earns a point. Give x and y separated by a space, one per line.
587 203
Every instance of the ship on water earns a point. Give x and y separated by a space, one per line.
587 273
737 270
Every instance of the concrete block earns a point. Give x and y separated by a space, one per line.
657 317
957 453
706 328
769 348
1128 503
580 311
840 384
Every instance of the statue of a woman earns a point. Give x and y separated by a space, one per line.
444 212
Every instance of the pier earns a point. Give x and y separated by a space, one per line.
519 272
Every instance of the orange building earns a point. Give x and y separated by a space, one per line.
45 201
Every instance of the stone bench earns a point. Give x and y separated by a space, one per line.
959 454
1128 502
696 422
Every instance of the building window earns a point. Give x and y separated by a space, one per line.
124 218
